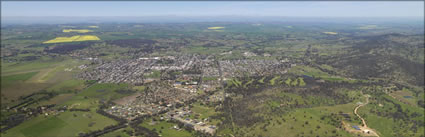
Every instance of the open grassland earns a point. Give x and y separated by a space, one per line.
36 76
73 39
7 81
203 111
17 68
64 124
165 128
72 84
317 73
405 96
380 117
119 132
89 97
77 30
301 122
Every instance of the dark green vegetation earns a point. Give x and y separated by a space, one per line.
332 74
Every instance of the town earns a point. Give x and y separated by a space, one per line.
173 81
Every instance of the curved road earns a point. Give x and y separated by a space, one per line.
363 121
355 112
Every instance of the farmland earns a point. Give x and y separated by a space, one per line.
75 38
77 30
215 28
330 33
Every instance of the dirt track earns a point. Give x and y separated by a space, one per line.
364 128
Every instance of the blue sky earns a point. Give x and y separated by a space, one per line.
216 8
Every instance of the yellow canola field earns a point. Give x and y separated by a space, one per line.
73 39
330 33
93 26
215 27
77 30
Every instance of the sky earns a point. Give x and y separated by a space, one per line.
215 8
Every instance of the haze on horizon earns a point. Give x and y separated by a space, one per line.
43 11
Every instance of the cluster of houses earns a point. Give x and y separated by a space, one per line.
159 98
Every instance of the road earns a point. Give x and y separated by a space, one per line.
366 130
355 112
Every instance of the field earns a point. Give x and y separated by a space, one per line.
17 78
73 39
377 117
165 128
93 26
215 28
28 78
368 27
89 98
64 124
120 132
330 33
302 122
77 30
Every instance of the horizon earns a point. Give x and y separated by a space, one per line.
47 12
213 8
25 20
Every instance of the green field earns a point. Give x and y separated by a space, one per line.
165 129
64 124
7 81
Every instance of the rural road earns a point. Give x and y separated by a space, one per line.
371 131
355 111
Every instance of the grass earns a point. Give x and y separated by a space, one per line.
11 79
288 82
139 88
52 124
401 96
290 127
59 99
273 80
209 78
64 124
165 129
73 39
387 126
77 30
71 84
301 81
48 76
117 133
262 80
89 98
204 111
316 73
26 67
